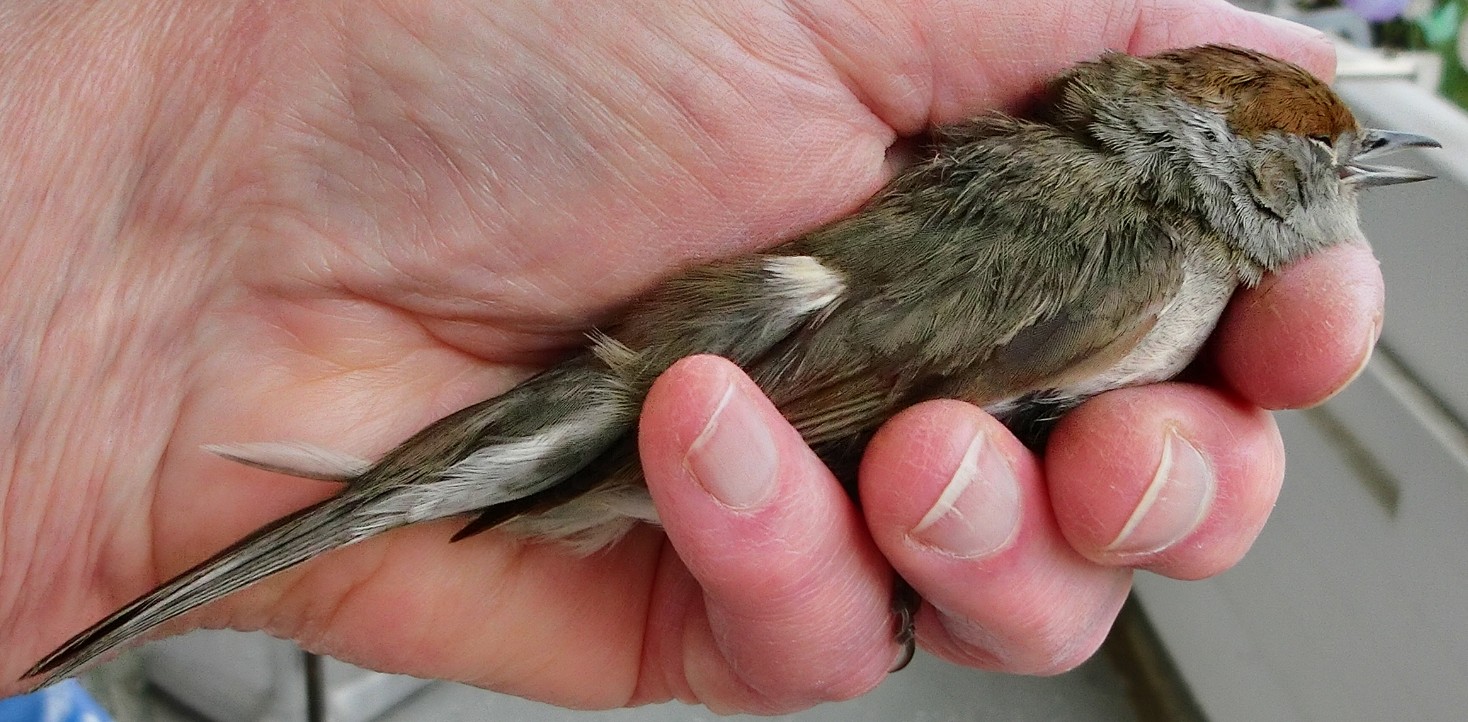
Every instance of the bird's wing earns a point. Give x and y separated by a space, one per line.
1077 343
842 405
986 342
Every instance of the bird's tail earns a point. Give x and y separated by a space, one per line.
486 456
279 546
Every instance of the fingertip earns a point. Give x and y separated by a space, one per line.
1305 332
959 506
1173 478
953 466
716 455
795 596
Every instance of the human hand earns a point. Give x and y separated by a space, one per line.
337 223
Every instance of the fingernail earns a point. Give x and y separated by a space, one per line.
734 458
978 512
1363 359
1367 351
1174 504
1290 28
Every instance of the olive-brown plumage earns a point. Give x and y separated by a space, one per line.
1021 265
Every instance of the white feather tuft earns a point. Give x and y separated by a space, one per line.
294 458
805 281
615 354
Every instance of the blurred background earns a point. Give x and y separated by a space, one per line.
1352 606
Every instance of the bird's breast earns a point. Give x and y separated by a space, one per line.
1181 328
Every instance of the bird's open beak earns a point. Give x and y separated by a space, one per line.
1377 143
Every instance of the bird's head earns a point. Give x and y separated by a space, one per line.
1265 151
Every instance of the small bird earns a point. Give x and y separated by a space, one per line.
1023 265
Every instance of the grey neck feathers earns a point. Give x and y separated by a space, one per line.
1274 198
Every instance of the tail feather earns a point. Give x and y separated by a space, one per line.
279 546
486 458
295 459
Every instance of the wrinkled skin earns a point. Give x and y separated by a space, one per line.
335 222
